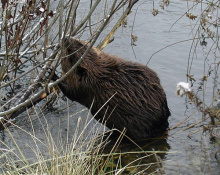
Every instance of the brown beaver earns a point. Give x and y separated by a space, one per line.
139 104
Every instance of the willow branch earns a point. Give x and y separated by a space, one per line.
117 25
24 102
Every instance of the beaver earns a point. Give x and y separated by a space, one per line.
122 94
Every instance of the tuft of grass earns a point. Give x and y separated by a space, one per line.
80 152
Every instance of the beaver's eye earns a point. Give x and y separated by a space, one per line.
81 72
72 59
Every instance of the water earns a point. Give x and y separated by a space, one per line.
188 151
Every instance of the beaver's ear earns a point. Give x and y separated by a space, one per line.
81 72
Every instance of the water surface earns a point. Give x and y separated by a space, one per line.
188 151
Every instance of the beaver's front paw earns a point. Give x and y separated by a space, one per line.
50 71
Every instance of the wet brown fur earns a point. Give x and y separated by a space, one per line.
139 103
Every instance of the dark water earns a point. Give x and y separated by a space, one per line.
188 151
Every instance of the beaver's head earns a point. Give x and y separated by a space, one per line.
73 50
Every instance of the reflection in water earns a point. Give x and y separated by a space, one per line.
145 155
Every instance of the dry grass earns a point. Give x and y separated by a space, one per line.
80 152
